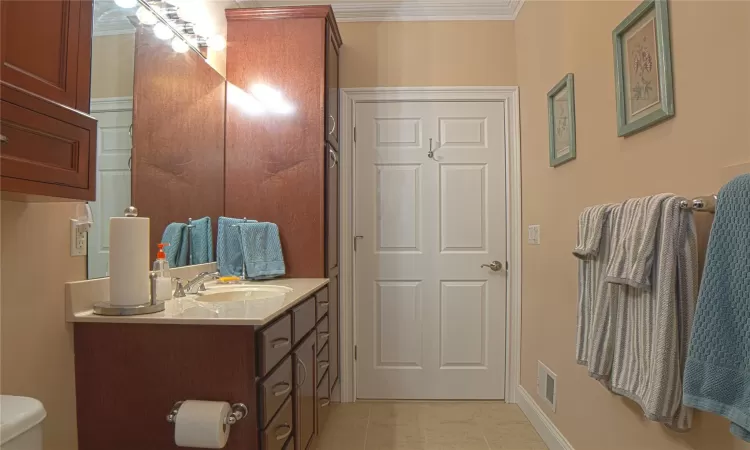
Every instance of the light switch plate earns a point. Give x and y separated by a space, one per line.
78 240
535 236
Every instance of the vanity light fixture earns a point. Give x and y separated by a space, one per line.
179 45
162 31
145 16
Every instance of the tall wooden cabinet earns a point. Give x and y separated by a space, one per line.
284 167
48 143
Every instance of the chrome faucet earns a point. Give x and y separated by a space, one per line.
194 285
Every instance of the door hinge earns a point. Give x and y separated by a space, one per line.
355 352
355 135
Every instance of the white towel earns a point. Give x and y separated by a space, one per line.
634 237
651 325
591 264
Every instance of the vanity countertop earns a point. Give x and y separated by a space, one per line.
189 310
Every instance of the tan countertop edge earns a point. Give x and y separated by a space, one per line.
80 297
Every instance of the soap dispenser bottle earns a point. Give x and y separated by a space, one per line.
163 278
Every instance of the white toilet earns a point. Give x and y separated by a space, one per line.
21 423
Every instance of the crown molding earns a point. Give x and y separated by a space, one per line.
410 10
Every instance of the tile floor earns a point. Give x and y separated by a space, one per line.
428 426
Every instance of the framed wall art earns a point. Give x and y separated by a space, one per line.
562 122
643 68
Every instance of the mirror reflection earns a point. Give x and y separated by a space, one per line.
160 104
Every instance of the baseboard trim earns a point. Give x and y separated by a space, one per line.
542 424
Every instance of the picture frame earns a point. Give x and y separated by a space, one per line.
562 122
643 68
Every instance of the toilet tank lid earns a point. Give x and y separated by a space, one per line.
18 414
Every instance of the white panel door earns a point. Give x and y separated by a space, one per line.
430 320
112 184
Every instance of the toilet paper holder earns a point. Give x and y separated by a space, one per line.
239 411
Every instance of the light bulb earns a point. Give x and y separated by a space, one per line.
217 42
179 45
189 11
162 31
126 3
145 16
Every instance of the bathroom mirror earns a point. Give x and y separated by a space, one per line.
160 105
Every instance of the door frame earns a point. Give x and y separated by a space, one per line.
508 97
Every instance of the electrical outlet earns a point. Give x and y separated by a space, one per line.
535 234
79 242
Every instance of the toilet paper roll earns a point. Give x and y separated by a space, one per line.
200 424
128 261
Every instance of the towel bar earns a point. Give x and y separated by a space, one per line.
700 204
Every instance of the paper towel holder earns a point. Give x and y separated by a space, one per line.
239 411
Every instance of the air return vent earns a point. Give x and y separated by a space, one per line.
546 385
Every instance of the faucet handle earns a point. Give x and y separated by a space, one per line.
179 290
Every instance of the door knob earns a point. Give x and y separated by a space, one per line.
495 266
3 139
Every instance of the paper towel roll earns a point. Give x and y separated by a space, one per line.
200 424
128 261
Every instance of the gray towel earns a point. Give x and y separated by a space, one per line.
592 237
634 237
651 326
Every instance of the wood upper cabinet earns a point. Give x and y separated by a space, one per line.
48 139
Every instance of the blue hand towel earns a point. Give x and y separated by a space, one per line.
201 241
228 247
717 373
261 250
176 236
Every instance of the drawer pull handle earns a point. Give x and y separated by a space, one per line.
286 389
3 139
283 436
323 365
304 371
325 402
323 303
280 342
323 335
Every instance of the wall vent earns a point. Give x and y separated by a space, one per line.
546 385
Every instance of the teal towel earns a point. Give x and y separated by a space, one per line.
201 241
261 250
717 373
176 236
228 248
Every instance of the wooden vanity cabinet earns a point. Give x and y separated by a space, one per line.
285 386
48 142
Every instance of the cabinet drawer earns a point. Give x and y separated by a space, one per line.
323 333
273 391
321 303
275 436
275 342
303 318
323 401
324 362
46 155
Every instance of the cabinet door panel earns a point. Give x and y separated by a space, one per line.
332 91
46 49
279 430
304 395
332 207
333 324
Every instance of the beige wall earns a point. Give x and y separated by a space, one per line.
686 155
112 66
35 342
462 53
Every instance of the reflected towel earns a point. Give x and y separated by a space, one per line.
261 250
717 373
177 251
201 241
228 247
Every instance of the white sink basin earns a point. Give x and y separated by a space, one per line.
234 301
236 293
